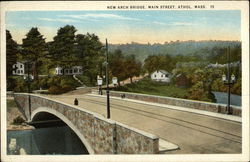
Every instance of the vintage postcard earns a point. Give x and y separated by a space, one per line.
125 80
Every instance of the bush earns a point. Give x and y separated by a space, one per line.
68 80
18 120
67 88
55 90
43 83
86 80
11 83
54 81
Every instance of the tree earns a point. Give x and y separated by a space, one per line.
11 52
90 51
158 62
202 85
117 65
132 67
34 49
62 49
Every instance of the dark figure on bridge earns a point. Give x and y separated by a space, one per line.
76 101
123 96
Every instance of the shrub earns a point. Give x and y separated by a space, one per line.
54 81
55 90
18 120
67 88
43 83
68 80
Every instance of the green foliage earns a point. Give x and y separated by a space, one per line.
190 50
86 80
63 48
236 88
147 86
20 85
12 52
132 67
43 83
34 47
68 80
61 84
198 92
159 62
182 81
124 67
55 89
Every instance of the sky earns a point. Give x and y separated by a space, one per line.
147 26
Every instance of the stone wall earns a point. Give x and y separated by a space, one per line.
131 140
104 135
213 107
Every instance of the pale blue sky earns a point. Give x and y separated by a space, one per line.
126 26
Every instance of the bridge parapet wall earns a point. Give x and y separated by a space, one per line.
105 136
213 107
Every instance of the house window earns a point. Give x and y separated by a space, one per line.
21 66
18 71
75 70
21 71
166 75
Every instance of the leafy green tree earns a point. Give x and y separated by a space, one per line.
90 52
158 62
117 65
202 80
132 67
62 48
11 52
34 48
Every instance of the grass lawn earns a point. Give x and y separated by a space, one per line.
147 86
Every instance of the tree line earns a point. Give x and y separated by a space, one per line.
69 49
66 50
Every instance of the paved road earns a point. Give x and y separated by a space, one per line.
193 133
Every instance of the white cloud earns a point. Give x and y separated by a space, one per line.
58 20
98 16
175 23
183 24
159 23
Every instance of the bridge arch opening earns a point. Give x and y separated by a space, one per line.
44 117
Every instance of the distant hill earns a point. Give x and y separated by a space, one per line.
185 48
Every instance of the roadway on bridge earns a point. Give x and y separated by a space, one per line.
193 133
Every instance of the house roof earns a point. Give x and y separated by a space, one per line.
163 71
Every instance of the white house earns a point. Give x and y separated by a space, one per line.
58 71
69 71
161 76
18 68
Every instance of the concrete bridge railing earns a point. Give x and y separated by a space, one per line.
213 107
98 134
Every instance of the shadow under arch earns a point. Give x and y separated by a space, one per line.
66 121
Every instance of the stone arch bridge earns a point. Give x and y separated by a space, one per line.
98 134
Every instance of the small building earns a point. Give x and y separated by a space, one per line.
161 76
58 71
75 70
18 68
